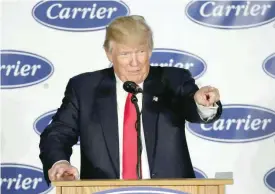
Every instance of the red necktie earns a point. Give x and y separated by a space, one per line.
129 141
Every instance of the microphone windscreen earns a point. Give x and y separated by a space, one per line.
130 86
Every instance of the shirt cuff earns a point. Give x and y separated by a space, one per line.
60 161
207 112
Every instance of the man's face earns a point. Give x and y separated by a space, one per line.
130 62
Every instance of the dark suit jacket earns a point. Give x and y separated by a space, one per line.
89 110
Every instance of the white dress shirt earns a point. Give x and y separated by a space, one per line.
204 112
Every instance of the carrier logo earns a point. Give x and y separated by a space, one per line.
199 173
238 124
22 69
231 14
23 179
43 121
269 65
181 59
72 15
269 179
140 190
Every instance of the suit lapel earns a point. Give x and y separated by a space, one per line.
106 104
153 90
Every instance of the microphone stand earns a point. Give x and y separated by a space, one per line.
134 100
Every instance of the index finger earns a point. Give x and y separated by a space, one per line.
52 174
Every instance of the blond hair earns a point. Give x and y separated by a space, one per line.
128 29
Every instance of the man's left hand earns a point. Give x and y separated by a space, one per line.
207 96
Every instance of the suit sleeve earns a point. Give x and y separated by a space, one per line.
186 104
57 139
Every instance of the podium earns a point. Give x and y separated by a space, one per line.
156 186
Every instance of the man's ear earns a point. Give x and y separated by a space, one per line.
108 53
150 53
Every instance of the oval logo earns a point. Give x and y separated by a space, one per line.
140 190
43 121
23 179
76 15
269 65
231 14
199 173
180 59
238 124
269 179
22 69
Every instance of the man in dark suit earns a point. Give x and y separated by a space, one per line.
98 110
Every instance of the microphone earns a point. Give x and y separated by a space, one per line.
132 87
